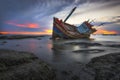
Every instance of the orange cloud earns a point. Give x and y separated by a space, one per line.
102 31
31 25
25 25
3 32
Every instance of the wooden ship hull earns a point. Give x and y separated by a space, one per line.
63 30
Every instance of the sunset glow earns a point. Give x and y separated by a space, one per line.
48 31
102 31
24 25
4 32
27 33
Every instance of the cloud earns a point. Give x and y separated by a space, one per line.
91 7
42 8
40 12
107 21
90 10
24 25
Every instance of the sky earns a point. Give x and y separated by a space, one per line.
36 16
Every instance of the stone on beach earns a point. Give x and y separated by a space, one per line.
106 67
23 66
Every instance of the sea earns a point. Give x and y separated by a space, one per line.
65 51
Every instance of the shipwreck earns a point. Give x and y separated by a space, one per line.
63 30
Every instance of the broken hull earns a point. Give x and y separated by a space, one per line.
66 31
61 33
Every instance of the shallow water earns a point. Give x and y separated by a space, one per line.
65 51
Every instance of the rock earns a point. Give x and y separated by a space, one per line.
75 77
65 73
89 51
23 66
106 67
21 36
3 37
84 44
4 42
114 45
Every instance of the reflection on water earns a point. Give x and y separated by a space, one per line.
64 51
76 47
80 50
32 45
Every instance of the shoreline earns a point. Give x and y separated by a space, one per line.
20 36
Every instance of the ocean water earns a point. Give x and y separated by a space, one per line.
65 51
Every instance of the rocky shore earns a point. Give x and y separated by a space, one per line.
106 67
16 65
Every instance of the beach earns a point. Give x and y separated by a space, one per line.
97 58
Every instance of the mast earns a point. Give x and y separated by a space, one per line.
70 14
